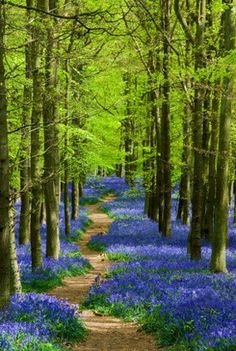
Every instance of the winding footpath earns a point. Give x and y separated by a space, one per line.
106 333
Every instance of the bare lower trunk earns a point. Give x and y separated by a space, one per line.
43 212
234 201
15 281
183 208
75 200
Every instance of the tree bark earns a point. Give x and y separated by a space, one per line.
165 120
24 228
75 200
4 176
205 159
66 163
36 251
210 212
234 219
15 280
184 198
220 237
195 231
51 142
128 133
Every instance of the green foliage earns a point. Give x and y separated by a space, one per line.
96 246
76 234
121 257
33 345
49 282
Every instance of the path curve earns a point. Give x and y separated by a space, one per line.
106 333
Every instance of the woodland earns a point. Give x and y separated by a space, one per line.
117 175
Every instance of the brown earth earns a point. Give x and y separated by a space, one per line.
106 333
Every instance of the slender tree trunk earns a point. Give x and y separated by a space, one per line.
66 163
234 220
220 237
152 138
75 200
43 212
81 185
15 281
24 228
146 163
210 212
127 125
66 204
159 177
152 203
195 231
4 176
210 134
165 120
205 159
183 208
36 251
51 142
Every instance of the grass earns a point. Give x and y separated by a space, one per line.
76 234
49 283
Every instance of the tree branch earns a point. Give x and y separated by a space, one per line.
183 22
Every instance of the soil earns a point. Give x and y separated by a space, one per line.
106 333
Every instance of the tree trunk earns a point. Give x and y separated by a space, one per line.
210 212
43 212
66 164
4 176
195 231
75 200
15 281
205 159
81 185
51 142
24 227
165 121
234 220
184 198
183 208
220 237
128 140
36 252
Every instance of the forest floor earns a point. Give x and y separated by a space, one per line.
106 333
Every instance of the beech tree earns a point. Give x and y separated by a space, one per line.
36 118
4 175
51 141
220 234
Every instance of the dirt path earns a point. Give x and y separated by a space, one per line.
106 333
